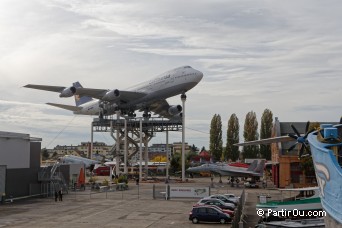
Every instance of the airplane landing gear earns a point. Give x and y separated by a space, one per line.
131 114
147 114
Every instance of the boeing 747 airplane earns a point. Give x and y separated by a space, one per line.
147 97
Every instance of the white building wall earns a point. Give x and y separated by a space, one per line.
14 150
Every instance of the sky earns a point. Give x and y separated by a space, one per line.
282 55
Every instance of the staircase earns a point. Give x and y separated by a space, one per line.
55 179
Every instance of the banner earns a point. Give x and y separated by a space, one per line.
190 192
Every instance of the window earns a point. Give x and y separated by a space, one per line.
202 210
211 211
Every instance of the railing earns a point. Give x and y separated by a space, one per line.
238 221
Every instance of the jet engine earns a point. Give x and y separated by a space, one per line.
175 109
68 92
111 95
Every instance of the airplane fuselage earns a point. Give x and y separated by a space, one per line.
168 84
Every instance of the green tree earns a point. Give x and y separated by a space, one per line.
193 148
250 133
216 137
203 148
45 154
232 152
175 163
266 132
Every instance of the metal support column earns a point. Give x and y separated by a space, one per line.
125 150
140 151
146 155
167 157
183 98
117 158
90 152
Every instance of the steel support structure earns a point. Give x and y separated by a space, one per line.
142 128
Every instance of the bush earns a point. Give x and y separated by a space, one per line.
105 182
123 179
92 179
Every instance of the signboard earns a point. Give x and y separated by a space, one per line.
190 192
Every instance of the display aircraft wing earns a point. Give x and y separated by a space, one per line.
67 107
162 108
242 172
266 141
226 170
124 96
71 159
57 89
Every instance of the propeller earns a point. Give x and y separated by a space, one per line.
300 139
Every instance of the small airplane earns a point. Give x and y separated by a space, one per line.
148 97
71 159
254 170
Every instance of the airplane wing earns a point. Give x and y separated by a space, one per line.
160 108
266 141
125 96
57 89
67 107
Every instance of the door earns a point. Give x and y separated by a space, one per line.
213 215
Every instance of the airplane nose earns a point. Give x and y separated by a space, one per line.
199 76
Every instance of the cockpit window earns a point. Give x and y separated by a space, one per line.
187 67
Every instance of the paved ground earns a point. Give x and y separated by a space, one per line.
132 208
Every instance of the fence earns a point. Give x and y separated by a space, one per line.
238 216
118 192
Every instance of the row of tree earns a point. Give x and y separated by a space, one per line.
250 133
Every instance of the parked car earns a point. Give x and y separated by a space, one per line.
217 202
224 199
226 211
251 185
232 197
208 214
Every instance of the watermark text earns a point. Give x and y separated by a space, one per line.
290 213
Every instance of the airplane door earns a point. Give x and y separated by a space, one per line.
2 181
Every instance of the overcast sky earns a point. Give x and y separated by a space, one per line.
282 55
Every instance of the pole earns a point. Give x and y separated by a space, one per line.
140 151
90 153
167 157
125 153
117 158
183 98
146 155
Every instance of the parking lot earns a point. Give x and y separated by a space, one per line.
129 208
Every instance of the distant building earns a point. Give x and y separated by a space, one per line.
202 157
286 166
159 148
99 148
177 148
19 165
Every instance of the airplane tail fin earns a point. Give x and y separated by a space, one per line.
260 168
79 100
253 165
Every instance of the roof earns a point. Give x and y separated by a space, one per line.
204 154
12 135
